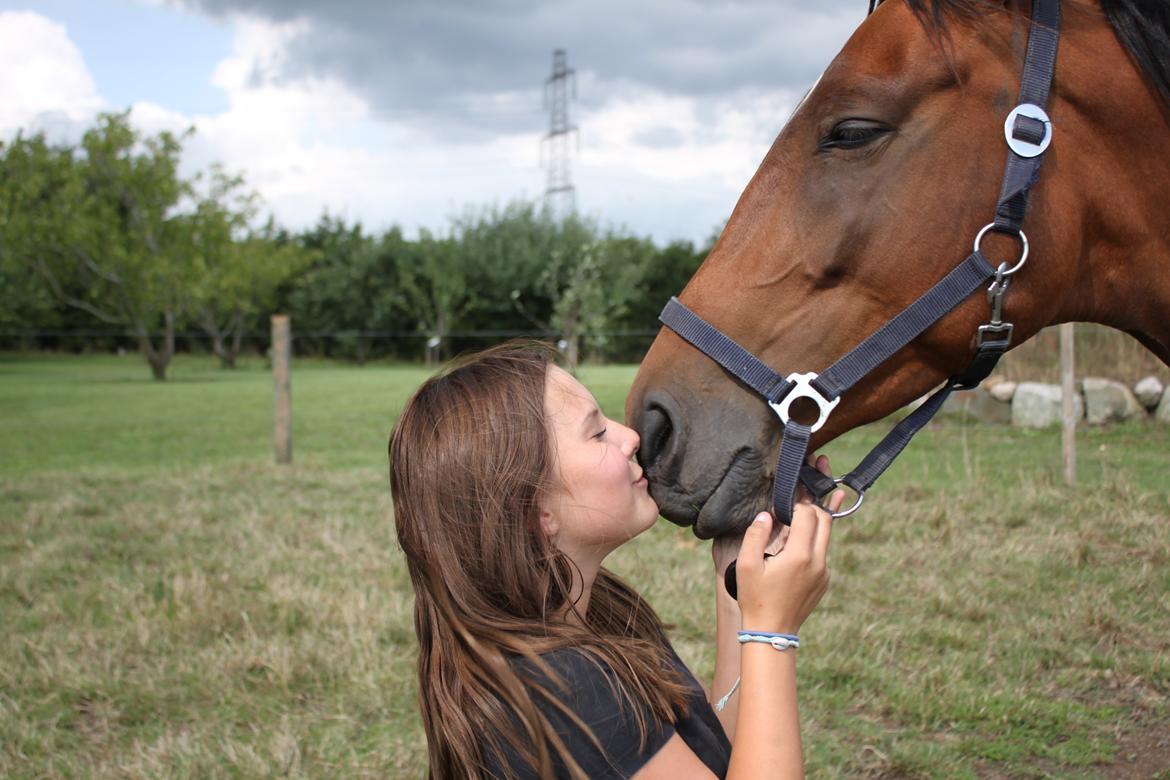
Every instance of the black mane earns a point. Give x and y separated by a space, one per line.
1142 26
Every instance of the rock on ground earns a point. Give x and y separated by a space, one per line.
1149 392
1038 405
1003 391
1162 414
1108 401
978 405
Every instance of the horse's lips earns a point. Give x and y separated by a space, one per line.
730 505
738 497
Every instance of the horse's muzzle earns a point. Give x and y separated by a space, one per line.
709 479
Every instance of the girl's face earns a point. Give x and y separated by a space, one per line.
602 498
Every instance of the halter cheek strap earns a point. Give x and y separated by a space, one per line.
1028 132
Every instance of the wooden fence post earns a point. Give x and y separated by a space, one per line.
281 356
1068 421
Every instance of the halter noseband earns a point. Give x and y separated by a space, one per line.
1028 131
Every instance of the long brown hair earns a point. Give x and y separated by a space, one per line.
470 458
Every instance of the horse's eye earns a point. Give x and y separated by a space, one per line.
852 134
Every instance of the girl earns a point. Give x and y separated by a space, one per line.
510 488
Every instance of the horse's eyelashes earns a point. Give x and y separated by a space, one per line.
852 134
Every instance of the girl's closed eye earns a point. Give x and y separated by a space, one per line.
600 435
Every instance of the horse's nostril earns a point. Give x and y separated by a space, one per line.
657 428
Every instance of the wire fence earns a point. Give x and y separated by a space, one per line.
359 346
1100 351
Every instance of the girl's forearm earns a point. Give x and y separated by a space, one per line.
727 624
767 731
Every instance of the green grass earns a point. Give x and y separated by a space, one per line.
174 605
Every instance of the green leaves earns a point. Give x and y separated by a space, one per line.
109 228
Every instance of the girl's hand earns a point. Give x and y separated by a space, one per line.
777 594
724 548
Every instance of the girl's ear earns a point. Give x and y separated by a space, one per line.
548 524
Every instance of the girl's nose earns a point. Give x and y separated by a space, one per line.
632 442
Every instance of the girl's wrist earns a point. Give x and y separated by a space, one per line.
755 624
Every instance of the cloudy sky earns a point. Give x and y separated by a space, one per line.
408 111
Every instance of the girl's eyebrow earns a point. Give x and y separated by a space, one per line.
591 419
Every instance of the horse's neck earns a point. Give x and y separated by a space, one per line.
1130 240
1115 246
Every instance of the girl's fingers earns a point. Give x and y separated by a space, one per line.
825 528
755 539
804 529
822 465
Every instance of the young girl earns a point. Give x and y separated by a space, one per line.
510 488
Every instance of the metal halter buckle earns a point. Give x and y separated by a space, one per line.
802 388
1001 329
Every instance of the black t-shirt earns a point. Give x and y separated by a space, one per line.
590 697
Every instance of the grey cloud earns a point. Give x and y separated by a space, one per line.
467 68
659 138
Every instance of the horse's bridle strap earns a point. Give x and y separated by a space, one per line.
1021 172
928 309
742 364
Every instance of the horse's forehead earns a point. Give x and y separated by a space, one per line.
884 48
897 59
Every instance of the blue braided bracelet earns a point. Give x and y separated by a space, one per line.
778 641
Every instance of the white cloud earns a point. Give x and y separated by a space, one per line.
44 82
718 141
667 165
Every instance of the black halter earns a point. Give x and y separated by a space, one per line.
1028 131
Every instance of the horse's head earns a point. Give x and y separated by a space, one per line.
873 191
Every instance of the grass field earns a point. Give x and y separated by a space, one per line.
174 605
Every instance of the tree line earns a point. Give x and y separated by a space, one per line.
108 233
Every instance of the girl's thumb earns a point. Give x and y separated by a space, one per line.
755 539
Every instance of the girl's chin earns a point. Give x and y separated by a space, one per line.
651 516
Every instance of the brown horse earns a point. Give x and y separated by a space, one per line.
876 188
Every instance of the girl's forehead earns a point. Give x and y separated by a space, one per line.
565 396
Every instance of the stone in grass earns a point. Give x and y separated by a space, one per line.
1162 414
992 381
1148 392
977 405
1038 405
1108 401
1003 391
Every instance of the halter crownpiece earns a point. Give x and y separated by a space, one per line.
1028 131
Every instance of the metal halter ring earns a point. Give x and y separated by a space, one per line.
856 504
1023 251
802 388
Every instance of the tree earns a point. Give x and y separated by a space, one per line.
26 302
237 268
433 288
595 289
99 224
505 254
665 275
521 261
563 276
351 286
